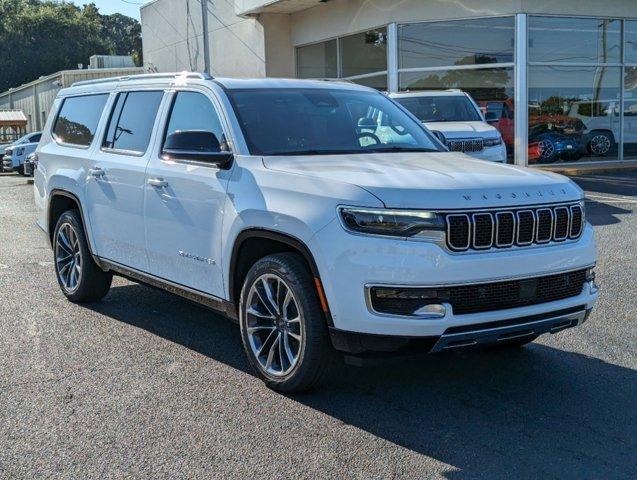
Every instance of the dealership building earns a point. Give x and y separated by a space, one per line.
558 79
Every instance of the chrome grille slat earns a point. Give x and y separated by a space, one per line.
465 144
525 226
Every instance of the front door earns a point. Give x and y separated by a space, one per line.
185 199
116 178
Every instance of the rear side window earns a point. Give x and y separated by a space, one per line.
35 138
194 112
132 120
78 118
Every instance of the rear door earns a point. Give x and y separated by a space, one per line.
185 199
116 177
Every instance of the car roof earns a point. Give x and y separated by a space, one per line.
429 93
105 85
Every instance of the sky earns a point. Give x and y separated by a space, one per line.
125 7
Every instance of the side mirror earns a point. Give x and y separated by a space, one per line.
491 117
439 135
367 123
195 145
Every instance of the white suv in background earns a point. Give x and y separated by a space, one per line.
457 122
278 203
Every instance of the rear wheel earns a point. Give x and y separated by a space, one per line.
80 279
282 325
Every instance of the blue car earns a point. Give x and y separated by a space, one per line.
553 146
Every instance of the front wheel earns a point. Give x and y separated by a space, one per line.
80 278
282 325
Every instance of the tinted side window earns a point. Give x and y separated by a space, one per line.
132 120
35 138
193 112
78 119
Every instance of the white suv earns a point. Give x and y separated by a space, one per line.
273 202
457 121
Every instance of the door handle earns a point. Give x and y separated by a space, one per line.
96 172
157 182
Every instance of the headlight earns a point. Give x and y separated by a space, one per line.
393 223
492 142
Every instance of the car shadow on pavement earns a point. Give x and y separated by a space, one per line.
599 213
527 413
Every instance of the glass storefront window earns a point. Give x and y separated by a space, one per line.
491 88
364 52
379 82
458 42
630 113
630 51
573 113
317 61
574 40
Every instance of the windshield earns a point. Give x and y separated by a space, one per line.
444 108
312 121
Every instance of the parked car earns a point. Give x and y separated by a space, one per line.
275 202
29 138
30 164
499 114
458 121
16 156
550 146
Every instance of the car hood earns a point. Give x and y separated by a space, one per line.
442 180
463 129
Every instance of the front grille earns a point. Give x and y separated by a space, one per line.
521 227
483 297
465 144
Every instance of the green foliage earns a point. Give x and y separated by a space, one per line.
40 37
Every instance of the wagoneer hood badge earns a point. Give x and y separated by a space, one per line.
443 180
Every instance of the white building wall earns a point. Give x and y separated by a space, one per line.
173 38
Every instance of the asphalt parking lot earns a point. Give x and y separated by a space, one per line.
145 384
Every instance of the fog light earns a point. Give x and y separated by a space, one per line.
590 278
410 302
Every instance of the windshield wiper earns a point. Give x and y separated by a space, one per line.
400 149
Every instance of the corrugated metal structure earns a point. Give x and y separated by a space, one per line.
36 98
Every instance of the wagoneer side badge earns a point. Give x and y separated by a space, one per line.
209 261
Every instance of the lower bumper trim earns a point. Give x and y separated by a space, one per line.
466 336
483 335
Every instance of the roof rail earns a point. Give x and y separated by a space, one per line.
344 80
144 76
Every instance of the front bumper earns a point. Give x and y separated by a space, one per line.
492 154
349 263
477 336
7 163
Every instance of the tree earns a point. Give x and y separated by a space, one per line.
40 37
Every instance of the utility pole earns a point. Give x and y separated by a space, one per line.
206 40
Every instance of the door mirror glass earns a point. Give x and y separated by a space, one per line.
198 145
491 117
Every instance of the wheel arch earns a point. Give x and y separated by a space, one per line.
273 242
60 201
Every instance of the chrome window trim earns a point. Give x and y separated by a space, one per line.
517 232
448 242
537 225
473 218
568 224
497 227
581 229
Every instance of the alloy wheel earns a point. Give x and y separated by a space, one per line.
600 145
546 148
274 327
68 257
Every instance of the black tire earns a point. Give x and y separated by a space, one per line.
20 170
600 144
93 283
315 353
512 344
